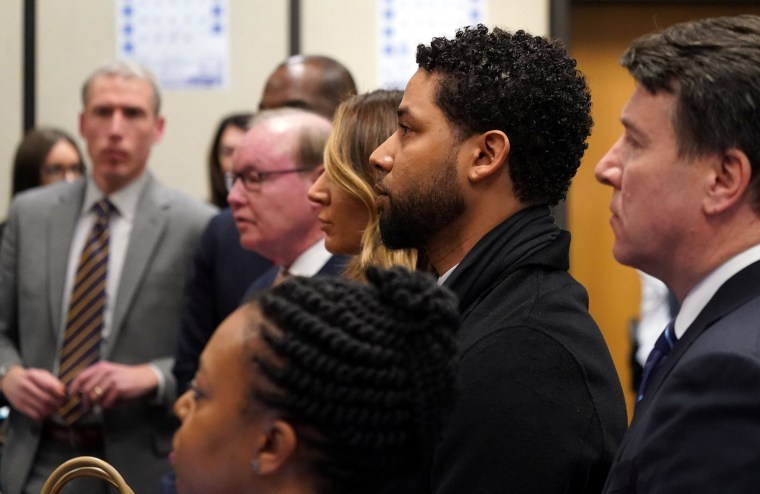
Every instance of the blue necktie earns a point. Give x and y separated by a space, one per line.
662 348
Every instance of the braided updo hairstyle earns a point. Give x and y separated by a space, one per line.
364 373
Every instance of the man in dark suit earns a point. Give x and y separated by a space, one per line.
115 399
274 166
223 269
492 128
312 82
685 209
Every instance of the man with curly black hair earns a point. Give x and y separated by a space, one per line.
492 128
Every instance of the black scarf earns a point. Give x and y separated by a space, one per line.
518 241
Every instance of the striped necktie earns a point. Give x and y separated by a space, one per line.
662 348
282 275
84 323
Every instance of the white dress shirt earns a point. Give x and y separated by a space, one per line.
124 202
701 294
311 260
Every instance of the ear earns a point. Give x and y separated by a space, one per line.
277 447
160 122
81 124
729 181
489 155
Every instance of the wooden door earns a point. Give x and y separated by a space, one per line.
600 33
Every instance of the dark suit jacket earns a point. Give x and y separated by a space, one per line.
222 272
698 427
33 263
333 267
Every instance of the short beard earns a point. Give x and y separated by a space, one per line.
411 220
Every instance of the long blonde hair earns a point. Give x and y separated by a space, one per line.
361 124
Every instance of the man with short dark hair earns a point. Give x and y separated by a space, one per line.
685 209
92 278
492 128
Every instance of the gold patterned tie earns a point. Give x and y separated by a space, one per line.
282 275
84 324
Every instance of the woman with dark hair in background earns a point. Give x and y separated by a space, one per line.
228 134
320 385
45 155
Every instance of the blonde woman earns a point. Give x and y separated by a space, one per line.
346 190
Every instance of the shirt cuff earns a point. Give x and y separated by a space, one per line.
158 398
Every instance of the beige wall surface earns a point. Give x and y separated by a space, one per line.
519 14
76 35
11 74
68 51
346 30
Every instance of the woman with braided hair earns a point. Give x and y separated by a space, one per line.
320 385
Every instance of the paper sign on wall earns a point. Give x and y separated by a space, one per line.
403 24
184 42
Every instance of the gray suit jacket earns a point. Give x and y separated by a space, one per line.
697 429
33 262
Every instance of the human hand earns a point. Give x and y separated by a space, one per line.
108 383
34 392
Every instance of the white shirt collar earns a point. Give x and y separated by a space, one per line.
701 294
311 260
445 276
124 200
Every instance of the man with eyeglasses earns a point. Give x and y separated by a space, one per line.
277 161
222 268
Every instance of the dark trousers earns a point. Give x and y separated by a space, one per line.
50 455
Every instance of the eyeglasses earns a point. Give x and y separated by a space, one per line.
252 179
58 170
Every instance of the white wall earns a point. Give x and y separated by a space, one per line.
11 80
519 14
68 52
345 29
76 35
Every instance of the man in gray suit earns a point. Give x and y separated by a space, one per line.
685 209
125 394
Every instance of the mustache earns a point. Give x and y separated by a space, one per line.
380 189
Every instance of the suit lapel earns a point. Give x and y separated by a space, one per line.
260 284
149 224
737 291
334 266
61 225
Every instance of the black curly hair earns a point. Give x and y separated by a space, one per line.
527 87
364 373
